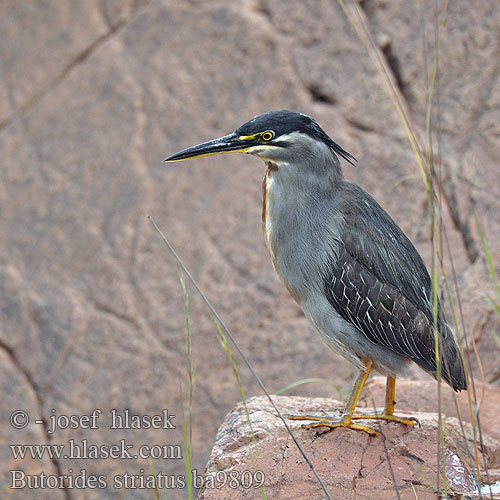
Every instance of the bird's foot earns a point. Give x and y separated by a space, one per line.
373 415
332 423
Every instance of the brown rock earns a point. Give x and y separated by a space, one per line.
422 396
19 396
93 95
351 464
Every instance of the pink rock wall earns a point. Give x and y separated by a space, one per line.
93 95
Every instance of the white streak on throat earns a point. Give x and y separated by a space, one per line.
267 225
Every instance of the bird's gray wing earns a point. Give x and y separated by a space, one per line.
380 284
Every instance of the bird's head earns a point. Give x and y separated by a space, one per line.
277 136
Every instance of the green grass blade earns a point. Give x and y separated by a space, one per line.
496 306
187 427
188 459
303 381
371 49
488 258
152 471
491 267
189 352
229 354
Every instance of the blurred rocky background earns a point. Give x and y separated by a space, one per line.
93 96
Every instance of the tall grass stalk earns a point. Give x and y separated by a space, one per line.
188 454
156 492
473 401
364 35
225 346
303 381
187 427
438 253
436 235
189 353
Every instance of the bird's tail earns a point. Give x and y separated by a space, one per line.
452 366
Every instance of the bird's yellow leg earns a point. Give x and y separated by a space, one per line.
388 413
390 396
347 416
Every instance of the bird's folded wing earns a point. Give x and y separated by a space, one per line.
379 281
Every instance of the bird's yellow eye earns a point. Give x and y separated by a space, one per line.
267 135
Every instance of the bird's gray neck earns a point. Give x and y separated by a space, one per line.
300 200
303 178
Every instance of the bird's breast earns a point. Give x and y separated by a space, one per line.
273 225
301 229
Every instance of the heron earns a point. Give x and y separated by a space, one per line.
352 270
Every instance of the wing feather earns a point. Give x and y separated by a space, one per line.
380 284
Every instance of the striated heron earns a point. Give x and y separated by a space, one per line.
357 277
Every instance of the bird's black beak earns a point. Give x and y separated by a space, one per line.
231 143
